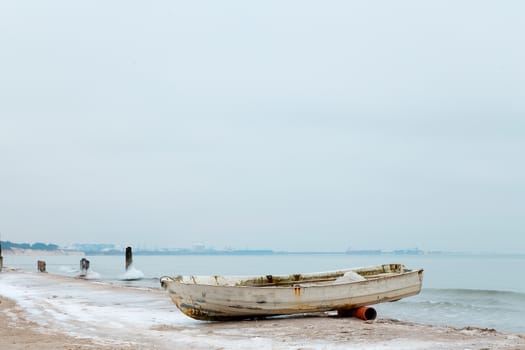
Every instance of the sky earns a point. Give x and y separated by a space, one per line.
285 125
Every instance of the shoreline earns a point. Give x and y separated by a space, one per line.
37 252
310 332
57 312
249 252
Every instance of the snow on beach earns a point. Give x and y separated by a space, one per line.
115 315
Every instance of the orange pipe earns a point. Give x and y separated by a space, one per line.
364 312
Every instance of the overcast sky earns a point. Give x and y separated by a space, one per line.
298 125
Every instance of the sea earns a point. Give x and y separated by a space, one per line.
459 290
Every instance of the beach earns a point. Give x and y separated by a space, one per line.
17 332
56 312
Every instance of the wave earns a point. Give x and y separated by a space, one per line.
475 294
481 292
502 310
467 301
67 269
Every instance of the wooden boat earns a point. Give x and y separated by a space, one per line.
218 298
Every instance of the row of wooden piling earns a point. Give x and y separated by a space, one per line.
84 263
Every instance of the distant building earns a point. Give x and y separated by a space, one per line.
96 247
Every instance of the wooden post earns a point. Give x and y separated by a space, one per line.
41 266
84 267
129 257
1 258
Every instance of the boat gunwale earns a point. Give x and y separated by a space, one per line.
292 284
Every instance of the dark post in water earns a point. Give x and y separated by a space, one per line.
129 258
84 267
41 266
1 258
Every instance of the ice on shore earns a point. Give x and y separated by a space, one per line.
119 314
92 275
146 318
91 309
131 274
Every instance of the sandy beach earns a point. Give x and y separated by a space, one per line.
54 312
17 332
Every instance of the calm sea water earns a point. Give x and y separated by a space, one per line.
485 291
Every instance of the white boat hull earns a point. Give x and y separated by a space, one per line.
223 298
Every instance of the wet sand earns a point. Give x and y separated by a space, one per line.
62 315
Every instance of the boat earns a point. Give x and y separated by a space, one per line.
222 298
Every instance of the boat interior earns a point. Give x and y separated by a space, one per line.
329 277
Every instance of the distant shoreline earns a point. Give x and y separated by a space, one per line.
211 252
37 252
